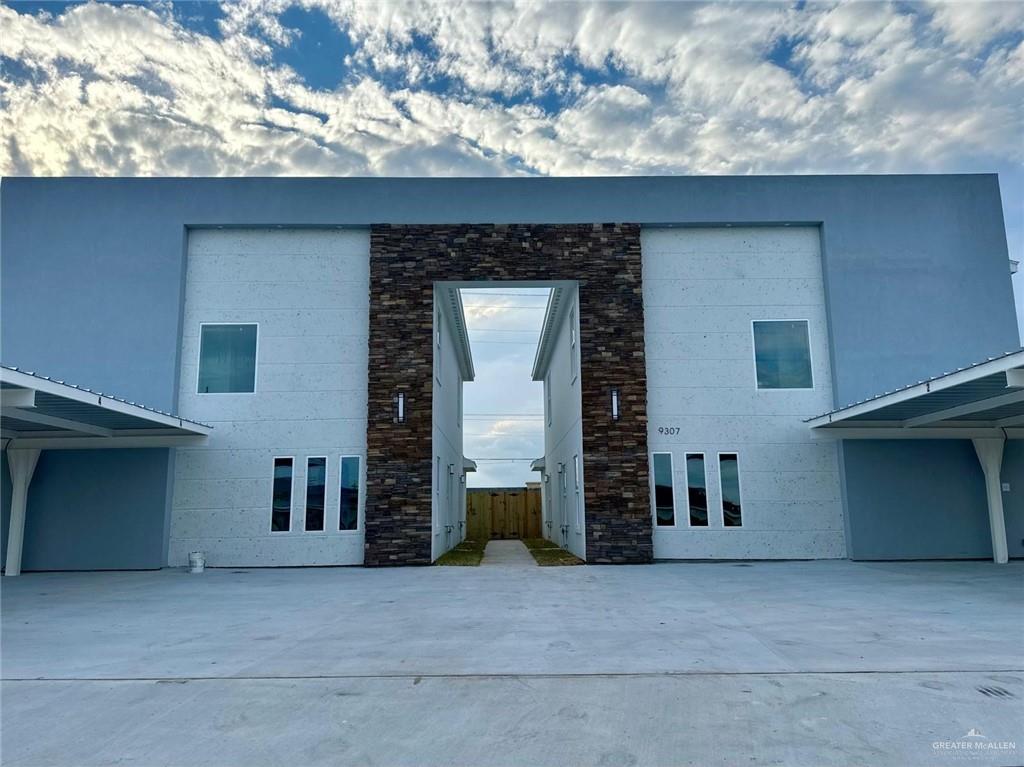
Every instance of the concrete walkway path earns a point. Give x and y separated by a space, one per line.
508 554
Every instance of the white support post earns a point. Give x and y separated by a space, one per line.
21 462
990 453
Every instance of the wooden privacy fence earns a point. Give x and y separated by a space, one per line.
503 512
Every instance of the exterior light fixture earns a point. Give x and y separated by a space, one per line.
400 407
615 404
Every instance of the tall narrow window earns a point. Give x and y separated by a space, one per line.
316 491
729 477
227 359
547 396
576 482
697 489
782 354
348 513
281 508
437 353
664 493
572 346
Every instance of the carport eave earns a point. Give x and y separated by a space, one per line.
857 414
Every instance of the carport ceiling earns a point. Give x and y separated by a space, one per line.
40 412
985 399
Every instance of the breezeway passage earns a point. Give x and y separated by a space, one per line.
721 663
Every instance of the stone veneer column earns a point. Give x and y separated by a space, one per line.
405 262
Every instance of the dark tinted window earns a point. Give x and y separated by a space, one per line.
349 516
697 489
316 488
729 474
281 514
664 501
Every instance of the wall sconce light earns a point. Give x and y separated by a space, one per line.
451 470
615 404
400 408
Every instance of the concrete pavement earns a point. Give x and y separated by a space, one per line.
802 663
507 554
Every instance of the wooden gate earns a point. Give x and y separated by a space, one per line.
503 512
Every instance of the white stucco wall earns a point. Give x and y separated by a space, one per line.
702 289
563 438
448 496
308 290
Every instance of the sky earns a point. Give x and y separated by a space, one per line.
504 408
387 88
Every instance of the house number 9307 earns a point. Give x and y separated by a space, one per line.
669 430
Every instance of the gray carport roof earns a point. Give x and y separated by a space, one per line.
983 402
40 412
985 399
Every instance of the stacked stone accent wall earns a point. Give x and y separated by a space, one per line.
405 262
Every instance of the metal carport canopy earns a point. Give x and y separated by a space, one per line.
983 402
39 413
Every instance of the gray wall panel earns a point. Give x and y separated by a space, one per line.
94 510
915 500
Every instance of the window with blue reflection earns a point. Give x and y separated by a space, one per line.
227 359
782 354
348 518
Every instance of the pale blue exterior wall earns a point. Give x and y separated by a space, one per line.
915 272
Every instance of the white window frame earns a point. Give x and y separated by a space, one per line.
721 490
573 354
305 495
361 480
576 483
291 500
437 481
810 353
654 484
686 485
255 367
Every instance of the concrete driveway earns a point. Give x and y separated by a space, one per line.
793 663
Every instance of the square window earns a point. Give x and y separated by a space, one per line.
782 354
227 359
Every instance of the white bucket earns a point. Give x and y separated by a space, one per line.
196 562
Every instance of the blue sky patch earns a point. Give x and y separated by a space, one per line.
317 53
